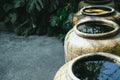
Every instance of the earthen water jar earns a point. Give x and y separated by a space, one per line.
94 12
77 42
68 70
84 3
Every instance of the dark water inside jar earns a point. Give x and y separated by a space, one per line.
94 28
97 70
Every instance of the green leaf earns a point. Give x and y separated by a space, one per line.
41 3
37 6
70 17
13 17
26 32
18 3
7 7
54 21
62 14
32 4
54 5
61 36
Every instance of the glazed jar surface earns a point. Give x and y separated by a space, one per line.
68 70
96 3
95 12
78 43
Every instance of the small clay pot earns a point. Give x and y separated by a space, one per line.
84 3
95 12
72 69
78 43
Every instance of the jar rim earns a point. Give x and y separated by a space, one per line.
110 10
104 54
100 35
97 2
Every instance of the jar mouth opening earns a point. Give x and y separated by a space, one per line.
91 57
97 1
96 28
97 10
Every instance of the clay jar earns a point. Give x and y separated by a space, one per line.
96 3
78 69
94 12
92 36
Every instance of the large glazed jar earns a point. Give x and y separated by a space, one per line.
92 66
93 12
84 3
92 36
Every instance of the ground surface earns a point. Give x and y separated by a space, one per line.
32 58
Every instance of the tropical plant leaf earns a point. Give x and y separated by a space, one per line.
24 13
32 4
41 3
18 3
61 37
54 21
70 17
68 23
53 5
13 17
7 7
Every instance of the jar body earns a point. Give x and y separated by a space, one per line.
96 3
79 16
75 45
68 70
62 73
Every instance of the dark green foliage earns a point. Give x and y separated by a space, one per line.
28 16
39 16
61 21
117 5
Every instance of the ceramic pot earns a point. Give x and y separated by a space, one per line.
96 3
94 12
77 42
74 71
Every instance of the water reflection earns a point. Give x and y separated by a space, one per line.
97 70
94 28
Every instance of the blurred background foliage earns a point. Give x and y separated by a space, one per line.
27 17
